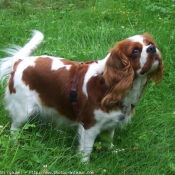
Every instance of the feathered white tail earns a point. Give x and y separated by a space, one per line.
16 53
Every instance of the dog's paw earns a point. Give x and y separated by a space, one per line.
111 146
85 160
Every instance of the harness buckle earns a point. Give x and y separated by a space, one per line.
73 96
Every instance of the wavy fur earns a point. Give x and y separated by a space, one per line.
118 75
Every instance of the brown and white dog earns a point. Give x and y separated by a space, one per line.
98 95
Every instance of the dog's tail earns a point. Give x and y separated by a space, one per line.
17 53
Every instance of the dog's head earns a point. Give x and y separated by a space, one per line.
128 59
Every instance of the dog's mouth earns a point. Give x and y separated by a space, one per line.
151 65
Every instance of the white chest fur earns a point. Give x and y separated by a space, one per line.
133 95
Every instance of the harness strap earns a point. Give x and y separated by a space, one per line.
74 90
73 94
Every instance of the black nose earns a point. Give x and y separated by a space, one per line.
151 49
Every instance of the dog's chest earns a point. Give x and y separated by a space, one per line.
107 120
133 96
135 92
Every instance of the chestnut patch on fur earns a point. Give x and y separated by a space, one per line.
127 46
50 84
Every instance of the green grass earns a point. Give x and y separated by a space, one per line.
86 30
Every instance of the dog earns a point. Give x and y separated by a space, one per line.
97 95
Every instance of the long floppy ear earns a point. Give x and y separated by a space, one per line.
157 75
118 75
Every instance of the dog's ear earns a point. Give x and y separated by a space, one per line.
118 75
157 75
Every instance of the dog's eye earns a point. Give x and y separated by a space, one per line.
136 51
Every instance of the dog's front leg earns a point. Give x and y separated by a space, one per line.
86 141
111 135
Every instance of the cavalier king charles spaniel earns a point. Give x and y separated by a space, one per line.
96 95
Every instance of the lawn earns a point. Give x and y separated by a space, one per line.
86 30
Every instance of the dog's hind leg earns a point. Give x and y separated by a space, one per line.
19 117
20 108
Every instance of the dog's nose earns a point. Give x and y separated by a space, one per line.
151 49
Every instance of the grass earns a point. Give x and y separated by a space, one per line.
86 30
